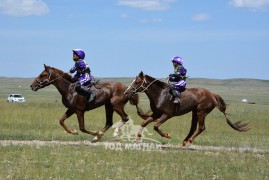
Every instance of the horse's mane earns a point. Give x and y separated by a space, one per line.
64 75
158 82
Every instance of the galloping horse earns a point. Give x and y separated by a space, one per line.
198 100
109 94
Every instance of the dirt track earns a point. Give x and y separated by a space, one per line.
106 144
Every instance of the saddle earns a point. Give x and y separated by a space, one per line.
92 83
86 87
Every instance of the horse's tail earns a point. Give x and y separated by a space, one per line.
239 125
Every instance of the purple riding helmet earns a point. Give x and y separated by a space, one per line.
178 60
80 53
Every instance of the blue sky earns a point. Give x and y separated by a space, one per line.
217 39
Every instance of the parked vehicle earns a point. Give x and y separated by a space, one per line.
15 98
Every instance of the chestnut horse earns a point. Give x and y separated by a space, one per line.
198 100
109 94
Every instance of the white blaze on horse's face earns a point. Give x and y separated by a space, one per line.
127 91
136 86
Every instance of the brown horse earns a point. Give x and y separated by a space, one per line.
198 100
109 94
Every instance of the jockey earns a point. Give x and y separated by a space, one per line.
83 73
179 78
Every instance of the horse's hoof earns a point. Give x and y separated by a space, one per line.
138 139
95 139
189 147
116 134
166 135
181 145
74 132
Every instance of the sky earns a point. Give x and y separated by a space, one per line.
217 39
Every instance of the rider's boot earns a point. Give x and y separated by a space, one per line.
90 96
82 90
176 94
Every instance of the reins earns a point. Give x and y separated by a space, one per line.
59 76
145 88
51 81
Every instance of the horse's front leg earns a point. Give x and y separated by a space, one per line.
163 118
80 116
66 115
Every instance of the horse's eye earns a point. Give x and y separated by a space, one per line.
42 76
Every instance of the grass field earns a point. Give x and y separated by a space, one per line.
38 119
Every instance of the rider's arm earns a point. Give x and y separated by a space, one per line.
73 69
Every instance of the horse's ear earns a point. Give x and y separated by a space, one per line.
46 67
141 74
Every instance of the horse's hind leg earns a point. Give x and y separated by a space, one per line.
109 118
109 122
201 127
66 115
193 127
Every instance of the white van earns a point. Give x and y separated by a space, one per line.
15 98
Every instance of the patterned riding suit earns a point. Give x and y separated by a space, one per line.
178 78
83 74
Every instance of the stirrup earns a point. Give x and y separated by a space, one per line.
90 98
177 100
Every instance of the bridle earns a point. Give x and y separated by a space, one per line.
42 83
143 86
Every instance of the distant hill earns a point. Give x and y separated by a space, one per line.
191 81
229 82
232 90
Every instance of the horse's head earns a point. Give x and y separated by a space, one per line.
143 83
139 84
45 78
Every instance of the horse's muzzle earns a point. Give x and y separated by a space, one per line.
128 95
34 87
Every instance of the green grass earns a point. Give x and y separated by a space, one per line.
83 162
38 119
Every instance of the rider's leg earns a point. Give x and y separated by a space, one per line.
90 95
178 88
82 90
176 94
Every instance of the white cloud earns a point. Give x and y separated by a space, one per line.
144 21
201 17
252 4
124 16
150 5
23 7
155 20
